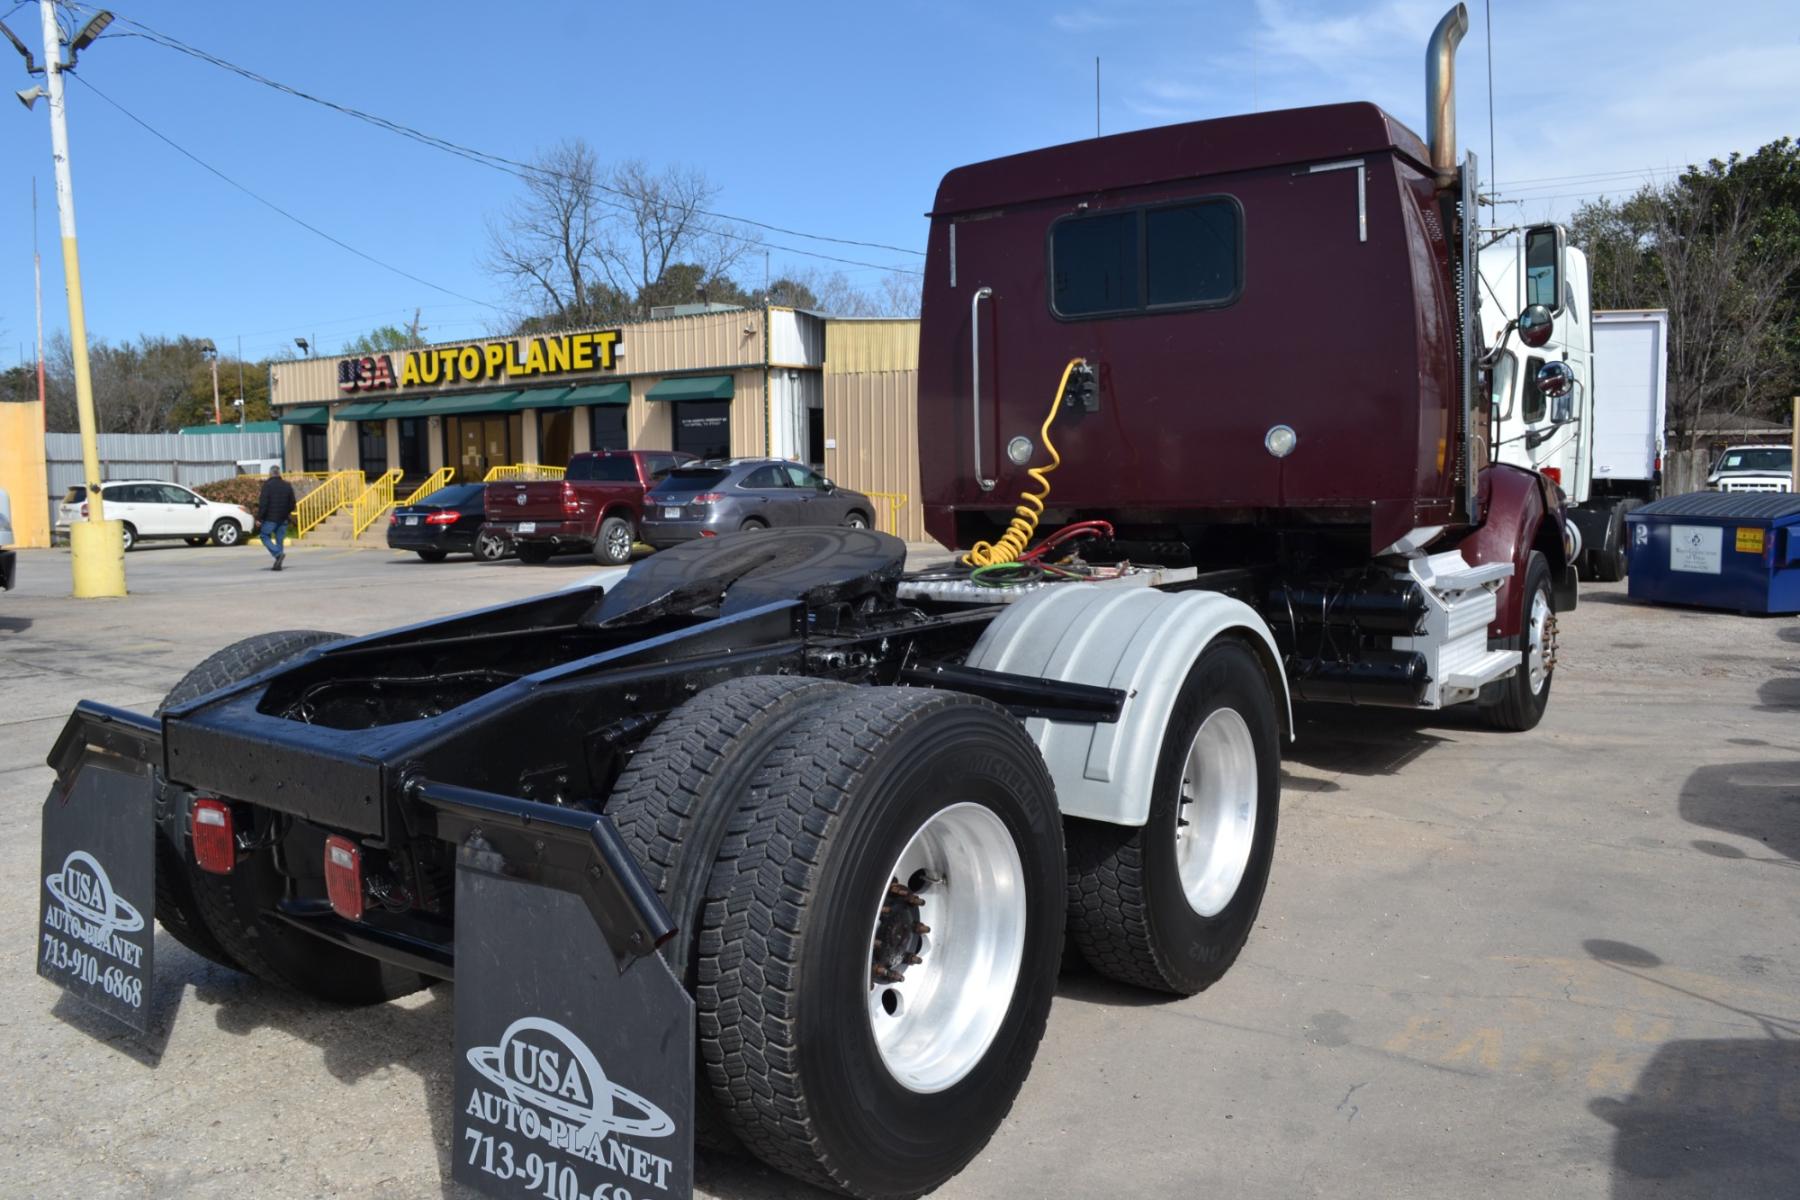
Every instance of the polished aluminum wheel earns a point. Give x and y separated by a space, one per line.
948 941
1217 824
1540 646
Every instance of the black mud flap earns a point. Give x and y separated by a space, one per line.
97 895
574 1073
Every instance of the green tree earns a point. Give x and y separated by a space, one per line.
378 339
1719 248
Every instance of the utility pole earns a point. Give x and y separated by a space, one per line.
96 546
1794 479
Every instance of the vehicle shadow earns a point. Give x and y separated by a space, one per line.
1357 741
1790 633
1707 1117
14 624
1757 801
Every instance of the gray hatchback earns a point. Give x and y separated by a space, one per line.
706 499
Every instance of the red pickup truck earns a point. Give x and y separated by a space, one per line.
594 506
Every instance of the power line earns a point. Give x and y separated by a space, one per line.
1596 176
499 162
263 200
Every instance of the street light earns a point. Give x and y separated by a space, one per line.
96 545
211 351
305 346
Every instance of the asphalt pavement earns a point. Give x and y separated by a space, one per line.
1563 963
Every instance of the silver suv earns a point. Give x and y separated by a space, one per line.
706 499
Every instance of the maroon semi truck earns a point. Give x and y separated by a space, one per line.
594 506
774 843
1280 385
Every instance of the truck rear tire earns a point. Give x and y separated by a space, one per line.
533 553
612 544
1168 906
1612 560
1523 696
899 831
680 793
221 917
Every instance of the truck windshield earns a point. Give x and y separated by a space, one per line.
606 469
1770 458
686 481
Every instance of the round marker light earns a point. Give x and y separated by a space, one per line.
1019 450
1280 441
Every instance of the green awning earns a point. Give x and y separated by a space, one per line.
692 387
305 414
449 406
569 397
362 410
599 393
551 397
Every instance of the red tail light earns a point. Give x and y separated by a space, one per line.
442 518
215 836
571 499
343 877
1554 475
393 518
708 533
84 510
708 498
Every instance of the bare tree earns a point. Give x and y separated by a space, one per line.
896 294
587 242
545 245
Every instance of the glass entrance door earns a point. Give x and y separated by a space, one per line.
477 443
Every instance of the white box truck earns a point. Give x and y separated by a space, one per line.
1631 375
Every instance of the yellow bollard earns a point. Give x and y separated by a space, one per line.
97 549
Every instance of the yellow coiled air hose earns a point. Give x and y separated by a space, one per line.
1012 543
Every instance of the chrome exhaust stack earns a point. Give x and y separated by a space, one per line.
1440 93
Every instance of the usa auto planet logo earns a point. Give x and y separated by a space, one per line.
91 911
551 1088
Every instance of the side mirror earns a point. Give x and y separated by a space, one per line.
1545 246
1535 325
825 485
1556 380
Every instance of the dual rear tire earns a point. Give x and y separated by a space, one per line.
875 881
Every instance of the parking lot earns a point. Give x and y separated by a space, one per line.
1562 963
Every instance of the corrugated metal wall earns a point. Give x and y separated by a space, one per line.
796 339
871 412
190 459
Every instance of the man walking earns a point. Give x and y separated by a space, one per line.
274 505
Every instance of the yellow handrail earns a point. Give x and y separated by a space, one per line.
895 502
339 488
523 471
376 499
439 478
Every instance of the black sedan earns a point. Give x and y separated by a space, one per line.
449 521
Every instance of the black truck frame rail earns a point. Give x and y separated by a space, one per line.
532 708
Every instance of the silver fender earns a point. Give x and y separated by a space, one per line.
1141 641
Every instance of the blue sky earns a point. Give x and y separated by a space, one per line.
836 119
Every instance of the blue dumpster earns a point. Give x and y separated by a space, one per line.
1733 550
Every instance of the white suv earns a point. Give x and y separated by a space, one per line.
1753 469
152 508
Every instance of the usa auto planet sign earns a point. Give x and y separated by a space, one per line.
574 1080
98 891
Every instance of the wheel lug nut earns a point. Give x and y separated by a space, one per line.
915 901
921 927
912 959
